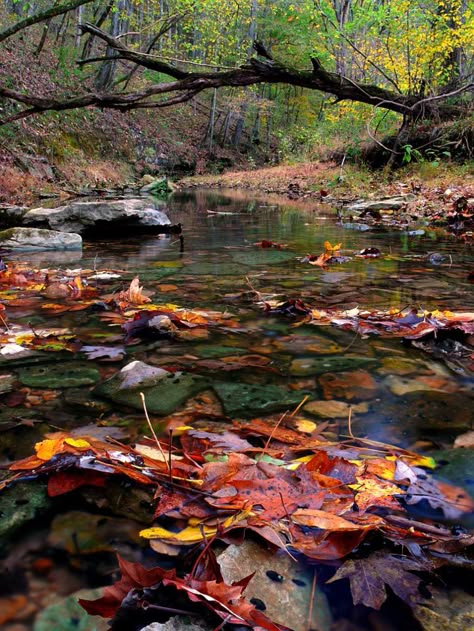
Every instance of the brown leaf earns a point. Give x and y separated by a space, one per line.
369 576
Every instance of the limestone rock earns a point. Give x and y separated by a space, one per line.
82 216
39 239
286 600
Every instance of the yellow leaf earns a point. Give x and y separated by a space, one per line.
192 534
303 425
331 248
78 443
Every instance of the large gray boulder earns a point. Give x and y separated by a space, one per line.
38 239
86 216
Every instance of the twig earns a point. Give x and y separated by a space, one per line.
349 423
299 406
168 464
5 325
311 603
271 435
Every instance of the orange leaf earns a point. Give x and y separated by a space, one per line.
48 448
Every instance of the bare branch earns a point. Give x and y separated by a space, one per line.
41 17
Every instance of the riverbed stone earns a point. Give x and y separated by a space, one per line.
357 385
81 216
81 399
306 366
20 503
64 375
305 344
68 615
164 391
27 239
78 532
451 610
400 366
286 601
335 409
242 399
401 386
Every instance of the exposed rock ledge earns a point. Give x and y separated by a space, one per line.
37 239
93 217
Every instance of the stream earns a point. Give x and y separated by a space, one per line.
396 393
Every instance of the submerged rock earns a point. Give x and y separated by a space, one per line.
39 239
306 366
68 615
242 399
65 375
334 409
446 611
164 391
358 385
91 216
20 503
280 587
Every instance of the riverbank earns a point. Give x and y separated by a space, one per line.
321 180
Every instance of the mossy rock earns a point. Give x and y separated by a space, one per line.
241 399
20 503
64 375
164 391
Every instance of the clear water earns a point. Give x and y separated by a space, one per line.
220 265
219 269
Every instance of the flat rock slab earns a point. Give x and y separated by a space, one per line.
164 391
85 216
287 599
39 239
242 399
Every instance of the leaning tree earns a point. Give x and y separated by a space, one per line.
356 51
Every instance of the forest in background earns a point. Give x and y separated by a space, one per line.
411 62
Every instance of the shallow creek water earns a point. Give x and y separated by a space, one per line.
399 394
